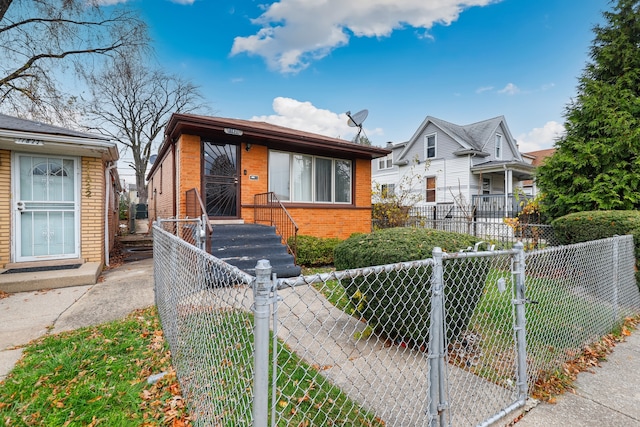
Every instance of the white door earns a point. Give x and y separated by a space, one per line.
46 207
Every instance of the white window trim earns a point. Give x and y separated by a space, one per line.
313 176
435 188
499 144
386 161
435 145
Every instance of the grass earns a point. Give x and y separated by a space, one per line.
95 376
303 396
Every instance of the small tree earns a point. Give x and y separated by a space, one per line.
392 207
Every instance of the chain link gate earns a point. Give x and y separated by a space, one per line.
412 365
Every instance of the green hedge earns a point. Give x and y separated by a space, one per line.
398 303
313 251
592 225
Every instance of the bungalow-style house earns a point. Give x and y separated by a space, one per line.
59 207
476 165
238 166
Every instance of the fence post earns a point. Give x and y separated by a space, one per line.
520 325
616 278
261 310
437 405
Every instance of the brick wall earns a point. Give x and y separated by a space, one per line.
188 169
255 163
161 189
5 207
92 210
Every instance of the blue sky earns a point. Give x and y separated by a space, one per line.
304 63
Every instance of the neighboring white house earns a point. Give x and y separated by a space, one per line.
472 165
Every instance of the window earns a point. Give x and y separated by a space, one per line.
486 185
498 147
385 162
431 189
387 190
311 179
430 146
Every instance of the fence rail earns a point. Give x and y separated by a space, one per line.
458 339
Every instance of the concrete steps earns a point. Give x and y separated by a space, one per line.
242 245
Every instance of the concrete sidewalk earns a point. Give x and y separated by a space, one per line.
608 397
26 316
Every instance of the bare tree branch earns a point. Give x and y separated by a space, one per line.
132 104
41 39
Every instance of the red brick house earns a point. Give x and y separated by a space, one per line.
323 183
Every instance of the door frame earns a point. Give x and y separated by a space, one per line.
238 177
16 241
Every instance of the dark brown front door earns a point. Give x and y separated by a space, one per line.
220 163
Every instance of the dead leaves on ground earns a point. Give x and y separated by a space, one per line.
550 385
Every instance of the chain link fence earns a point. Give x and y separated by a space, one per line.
458 339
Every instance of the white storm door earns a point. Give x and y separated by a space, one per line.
46 208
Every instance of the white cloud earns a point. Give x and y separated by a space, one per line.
540 138
484 89
510 89
183 1
293 33
306 117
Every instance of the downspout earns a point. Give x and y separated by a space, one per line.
107 194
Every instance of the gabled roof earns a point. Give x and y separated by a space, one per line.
57 139
473 138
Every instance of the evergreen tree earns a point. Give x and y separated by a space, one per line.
596 165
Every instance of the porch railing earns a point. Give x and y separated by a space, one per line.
269 210
195 209
493 205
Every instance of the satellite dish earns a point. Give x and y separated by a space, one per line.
153 158
357 119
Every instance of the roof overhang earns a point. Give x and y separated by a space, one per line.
471 152
521 171
261 133
40 143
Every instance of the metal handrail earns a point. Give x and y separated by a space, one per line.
269 209
195 208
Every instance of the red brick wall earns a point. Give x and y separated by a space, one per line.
322 220
161 189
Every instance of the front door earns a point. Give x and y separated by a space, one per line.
220 163
45 208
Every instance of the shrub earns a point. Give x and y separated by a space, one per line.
398 303
313 251
592 225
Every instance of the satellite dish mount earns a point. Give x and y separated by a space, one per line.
356 121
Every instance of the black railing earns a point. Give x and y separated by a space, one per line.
195 209
269 210
498 206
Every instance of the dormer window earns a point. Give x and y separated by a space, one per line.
498 147
385 162
430 146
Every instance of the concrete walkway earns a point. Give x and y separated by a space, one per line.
25 316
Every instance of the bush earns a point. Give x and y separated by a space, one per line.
593 225
313 251
398 303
